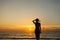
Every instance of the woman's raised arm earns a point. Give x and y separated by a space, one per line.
34 21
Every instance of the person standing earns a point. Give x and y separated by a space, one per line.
37 28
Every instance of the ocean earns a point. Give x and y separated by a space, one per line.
18 35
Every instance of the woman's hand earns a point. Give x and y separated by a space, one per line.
33 21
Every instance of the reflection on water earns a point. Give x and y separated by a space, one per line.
29 39
27 35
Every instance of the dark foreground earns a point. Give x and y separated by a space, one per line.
29 38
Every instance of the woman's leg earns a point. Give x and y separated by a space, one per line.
37 36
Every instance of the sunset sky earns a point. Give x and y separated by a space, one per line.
18 14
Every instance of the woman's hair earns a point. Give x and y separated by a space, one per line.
37 19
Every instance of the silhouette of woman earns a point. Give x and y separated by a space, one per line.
37 28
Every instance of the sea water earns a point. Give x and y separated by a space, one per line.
43 35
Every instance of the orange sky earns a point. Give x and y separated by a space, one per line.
17 15
27 28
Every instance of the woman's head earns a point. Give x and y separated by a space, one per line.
37 19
